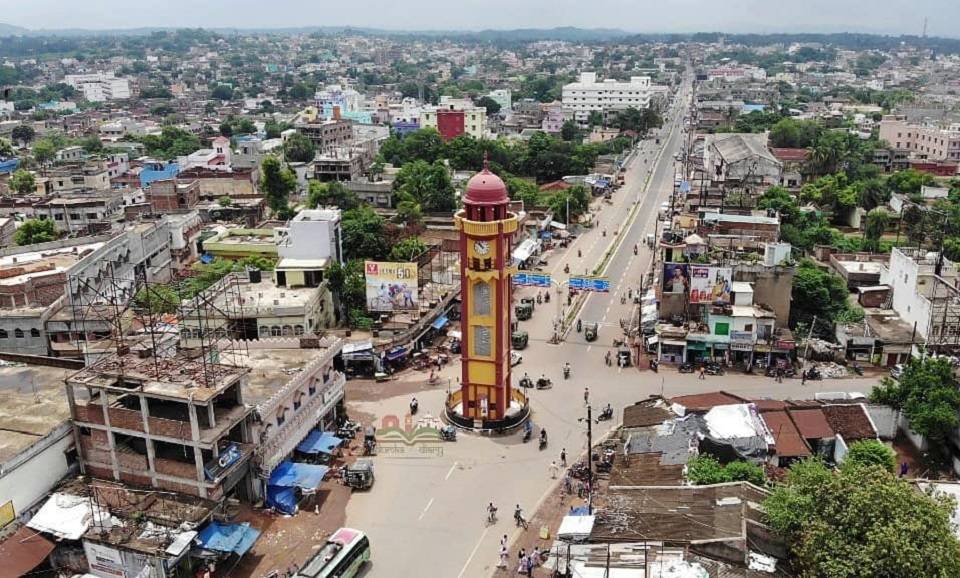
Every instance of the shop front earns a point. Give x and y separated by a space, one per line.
672 351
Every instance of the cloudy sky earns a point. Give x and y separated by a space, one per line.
880 16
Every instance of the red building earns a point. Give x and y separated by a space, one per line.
450 124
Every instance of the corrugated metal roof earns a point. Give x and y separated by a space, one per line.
811 423
788 441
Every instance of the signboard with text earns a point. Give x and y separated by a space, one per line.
710 284
391 286
594 284
531 279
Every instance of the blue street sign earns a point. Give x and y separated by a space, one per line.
532 279
595 284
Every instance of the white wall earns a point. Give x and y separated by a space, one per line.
907 302
43 465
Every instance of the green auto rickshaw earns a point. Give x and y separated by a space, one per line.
519 339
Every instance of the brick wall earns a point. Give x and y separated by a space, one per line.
175 468
125 419
170 428
175 487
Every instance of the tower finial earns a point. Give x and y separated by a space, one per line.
486 161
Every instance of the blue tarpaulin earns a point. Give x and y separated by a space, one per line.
236 538
396 353
579 511
295 475
319 442
283 500
440 322
206 258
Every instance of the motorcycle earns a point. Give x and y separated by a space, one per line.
566 372
813 374
539 299
414 406
546 297
526 382
579 326
619 342
527 432
544 383
606 414
634 249
348 429
566 269
857 369
607 359
714 369
543 443
686 367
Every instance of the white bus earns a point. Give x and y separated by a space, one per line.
345 552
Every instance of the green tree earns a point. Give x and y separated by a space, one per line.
34 231
595 118
222 92
862 522
704 470
524 190
427 184
408 249
6 149
43 152
871 453
92 144
927 394
157 299
23 182
23 133
816 293
423 144
277 183
875 226
246 126
909 182
225 201
492 106
409 211
333 194
349 289
226 129
364 234
298 148
272 129
570 131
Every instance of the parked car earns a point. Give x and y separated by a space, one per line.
896 371
515 358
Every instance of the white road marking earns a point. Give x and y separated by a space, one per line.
424 512
589 347
450 472
474 553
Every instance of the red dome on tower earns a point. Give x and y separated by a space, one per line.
486 188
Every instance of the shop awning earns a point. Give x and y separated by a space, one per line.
23 551
235 538
524 250
557 225
296 475
319 442
283 500
674 342
696 345
440 322
358 351
396 353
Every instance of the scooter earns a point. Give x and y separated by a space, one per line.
546 297
527 433
606 414
448 433
544 383
543 443
414 406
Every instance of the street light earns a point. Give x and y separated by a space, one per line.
589 458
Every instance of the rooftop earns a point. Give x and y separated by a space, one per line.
36 263
702 402
811 423
788 441
32 404
850 421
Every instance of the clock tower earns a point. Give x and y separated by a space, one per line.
486 229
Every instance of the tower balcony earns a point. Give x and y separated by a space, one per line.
486 228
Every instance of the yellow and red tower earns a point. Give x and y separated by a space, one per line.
486 228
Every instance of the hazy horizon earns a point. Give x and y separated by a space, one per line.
639 16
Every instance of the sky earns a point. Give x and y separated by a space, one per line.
876 16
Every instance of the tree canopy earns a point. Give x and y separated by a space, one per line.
333 193
492 106
277 182
428 185
298 148
862 522
817 292
33 231
23 182
364 234
408 249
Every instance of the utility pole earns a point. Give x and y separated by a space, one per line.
589 460
806 346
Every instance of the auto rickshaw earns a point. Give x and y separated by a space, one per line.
359 475
519 339
590 331
623 357
523 311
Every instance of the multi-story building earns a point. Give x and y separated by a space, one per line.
454 117
173 423
328 133
925 296
88 177
503 97
172 194
83 214
931 142
99 86
587 95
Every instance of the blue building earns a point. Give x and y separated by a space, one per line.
157 171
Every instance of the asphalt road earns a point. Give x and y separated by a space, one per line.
426 514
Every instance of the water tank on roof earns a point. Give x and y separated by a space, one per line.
255 275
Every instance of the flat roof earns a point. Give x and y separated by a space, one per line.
862 266
32 404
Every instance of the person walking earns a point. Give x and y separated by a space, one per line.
504 555
567 484
702 373
586 396
553 470
563 457
503 541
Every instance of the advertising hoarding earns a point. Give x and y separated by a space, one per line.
676 278
391 286
710 284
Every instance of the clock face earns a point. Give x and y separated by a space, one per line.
481 247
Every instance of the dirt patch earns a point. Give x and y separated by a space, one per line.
407 382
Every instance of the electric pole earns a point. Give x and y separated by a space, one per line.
589 460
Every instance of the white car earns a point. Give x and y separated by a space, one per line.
896 371
515 358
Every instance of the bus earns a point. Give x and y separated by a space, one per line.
344 553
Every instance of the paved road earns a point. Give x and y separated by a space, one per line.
426 515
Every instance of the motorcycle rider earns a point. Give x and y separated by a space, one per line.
414 404
566 369
607 358
491 513
543 435
634 248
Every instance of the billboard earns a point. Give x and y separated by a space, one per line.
710 284
391 286
676 278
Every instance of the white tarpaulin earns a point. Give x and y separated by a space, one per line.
524 250
727 422
67 517
575 528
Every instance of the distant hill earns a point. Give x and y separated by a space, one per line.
11 30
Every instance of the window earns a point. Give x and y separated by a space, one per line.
748 327
3 334
34 332
275 330
298 329
18 333
481 298
481 341
721 329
